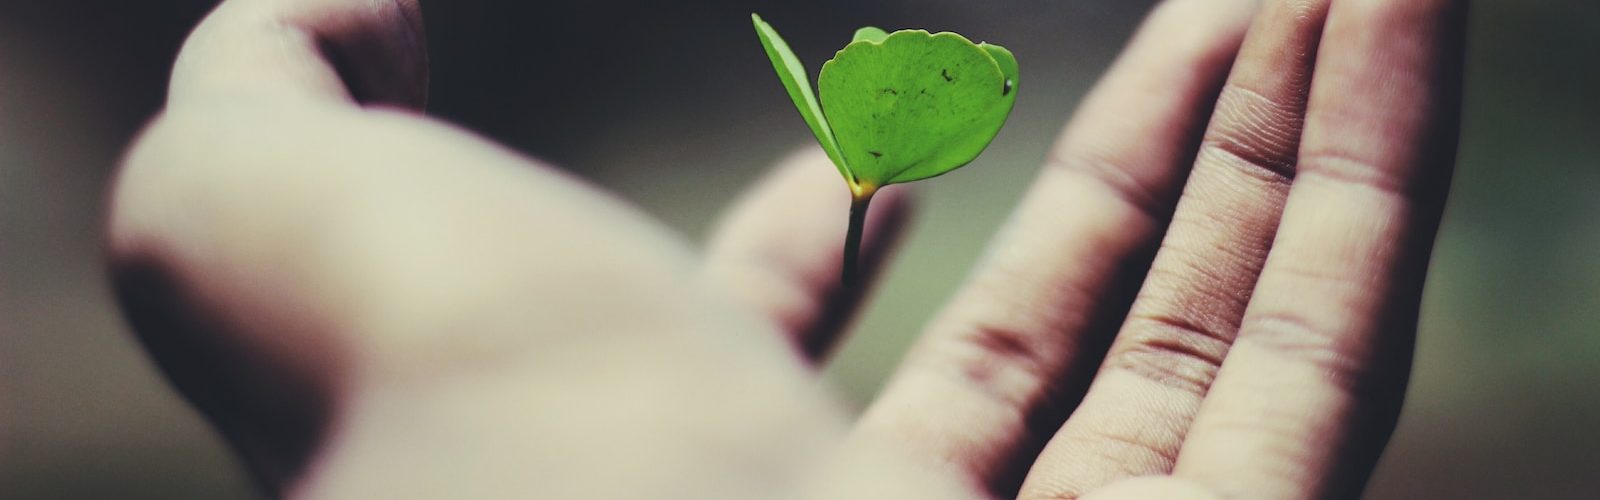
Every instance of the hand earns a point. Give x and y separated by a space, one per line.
372 304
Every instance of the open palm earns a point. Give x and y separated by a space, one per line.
372 304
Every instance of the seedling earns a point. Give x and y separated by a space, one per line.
892 108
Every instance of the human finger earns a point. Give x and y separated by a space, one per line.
1001 365
337 51
1133 420
779 250
1310 392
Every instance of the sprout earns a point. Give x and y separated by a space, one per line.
898 107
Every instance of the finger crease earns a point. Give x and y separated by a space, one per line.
1174 352
1346 169
1257 130
1294 337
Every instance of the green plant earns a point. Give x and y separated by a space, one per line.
898 107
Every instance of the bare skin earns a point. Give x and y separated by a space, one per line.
373 304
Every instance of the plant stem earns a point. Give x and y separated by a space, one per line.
852 239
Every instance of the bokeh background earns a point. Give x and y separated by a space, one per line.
673 105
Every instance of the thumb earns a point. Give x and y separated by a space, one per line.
368 52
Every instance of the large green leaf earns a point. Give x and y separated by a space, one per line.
793 75
915 105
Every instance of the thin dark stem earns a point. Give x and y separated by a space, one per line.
852 239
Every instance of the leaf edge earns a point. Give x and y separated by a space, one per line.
792 73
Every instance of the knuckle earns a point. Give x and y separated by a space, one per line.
1350 169
1299 338
1205 278
1136 451
1261 132
1171 351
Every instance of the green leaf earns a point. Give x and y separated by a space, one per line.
870 34
1008 66
793 75
915 105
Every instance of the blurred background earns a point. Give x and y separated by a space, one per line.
673 105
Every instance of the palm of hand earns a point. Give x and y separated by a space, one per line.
371 304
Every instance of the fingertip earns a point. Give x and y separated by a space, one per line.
370 53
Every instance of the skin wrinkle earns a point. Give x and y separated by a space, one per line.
1182 326
1171 351
1192 293
1352 169
1222 322
1356 236
1139 444
728 410
1203 255
1293 336
1283 421
1127 448
1258 131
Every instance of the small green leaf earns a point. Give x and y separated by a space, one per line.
898 107
915 105
1008 66
870 34
793 75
